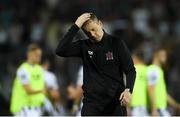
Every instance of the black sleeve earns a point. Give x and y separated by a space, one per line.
127 65
67 48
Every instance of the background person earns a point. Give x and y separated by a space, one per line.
139 100
76 93
29 86
53 104
158 95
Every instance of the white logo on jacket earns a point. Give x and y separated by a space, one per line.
90 53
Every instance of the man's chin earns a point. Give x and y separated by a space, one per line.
97 40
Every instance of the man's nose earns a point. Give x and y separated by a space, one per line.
93 34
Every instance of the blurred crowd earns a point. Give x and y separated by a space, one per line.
141 23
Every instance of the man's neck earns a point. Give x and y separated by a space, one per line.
156 62
139 63
30 62
45 68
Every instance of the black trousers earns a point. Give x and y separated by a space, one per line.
102 105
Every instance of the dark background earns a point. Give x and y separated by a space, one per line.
141 23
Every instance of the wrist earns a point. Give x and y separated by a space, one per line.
154 109
75 27
75 107
127 89
78 25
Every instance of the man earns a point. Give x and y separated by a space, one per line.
139 96
76 93
53 107
105 58
156 85
29 87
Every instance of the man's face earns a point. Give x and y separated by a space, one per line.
35 56
46 65
135 59
94 29
162 56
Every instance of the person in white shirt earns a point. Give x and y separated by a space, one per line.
76 93
24 77
52 103
157 85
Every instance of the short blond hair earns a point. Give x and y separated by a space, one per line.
93 17
33 47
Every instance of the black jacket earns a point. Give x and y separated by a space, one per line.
104 62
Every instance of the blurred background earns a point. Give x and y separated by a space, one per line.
139 22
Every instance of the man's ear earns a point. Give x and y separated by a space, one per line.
100 23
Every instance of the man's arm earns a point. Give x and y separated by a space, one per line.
53 88
54 95
171 101
24 76
152 98
30 91
67 48
129 69
127 65
152 78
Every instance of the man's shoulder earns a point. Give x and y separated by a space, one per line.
85 41
114 38
22 67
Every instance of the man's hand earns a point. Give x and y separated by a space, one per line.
71 92
82 19
154 112
44 91
125 97
178 107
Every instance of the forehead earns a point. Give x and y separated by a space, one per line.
162 52
90 24
39 51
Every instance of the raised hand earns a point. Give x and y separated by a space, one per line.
82 19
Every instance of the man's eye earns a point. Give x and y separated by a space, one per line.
92 29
